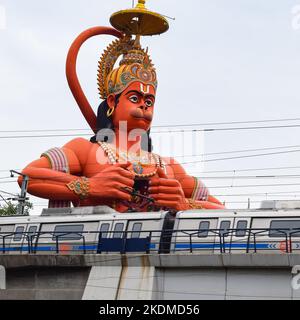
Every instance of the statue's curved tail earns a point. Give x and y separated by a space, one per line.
71 72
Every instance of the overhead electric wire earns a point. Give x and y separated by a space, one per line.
3 199
288 176
231 177
255 185
9 193
235 151
2 178
163 126
253 169
227 123
229 170
241 157
156 132
5 182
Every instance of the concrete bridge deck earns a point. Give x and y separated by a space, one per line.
146 277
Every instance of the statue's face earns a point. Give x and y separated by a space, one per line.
136 106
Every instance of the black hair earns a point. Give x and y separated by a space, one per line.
105 122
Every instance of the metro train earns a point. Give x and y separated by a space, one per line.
103 230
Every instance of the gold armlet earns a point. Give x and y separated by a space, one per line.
80 187
194 205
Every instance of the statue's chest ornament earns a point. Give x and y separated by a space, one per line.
141 164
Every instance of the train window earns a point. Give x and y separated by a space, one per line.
118 230
284 224
225 225
18 233
68 232
104 230
137 227
32 230
203 229
242 226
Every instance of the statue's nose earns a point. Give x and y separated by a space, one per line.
143 107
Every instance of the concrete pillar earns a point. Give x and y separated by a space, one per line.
103 283
136 283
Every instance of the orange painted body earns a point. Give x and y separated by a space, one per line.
170 188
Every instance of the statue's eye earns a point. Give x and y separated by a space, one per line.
149 103
134 98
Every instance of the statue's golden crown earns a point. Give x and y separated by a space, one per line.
136 64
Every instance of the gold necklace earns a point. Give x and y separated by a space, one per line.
137 166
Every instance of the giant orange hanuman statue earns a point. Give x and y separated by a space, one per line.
117 166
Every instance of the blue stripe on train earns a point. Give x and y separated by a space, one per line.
217 246
53 248
152 246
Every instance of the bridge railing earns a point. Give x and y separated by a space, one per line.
153 241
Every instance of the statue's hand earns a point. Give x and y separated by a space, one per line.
167 192
110 183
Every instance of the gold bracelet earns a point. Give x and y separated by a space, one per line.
80 187
194 205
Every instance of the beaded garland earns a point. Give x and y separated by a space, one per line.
137 166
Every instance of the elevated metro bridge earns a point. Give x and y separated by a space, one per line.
96 253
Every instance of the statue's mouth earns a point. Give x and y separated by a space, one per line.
139 115
147 119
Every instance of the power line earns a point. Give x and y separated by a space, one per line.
236 151
3 199
162 126
226 123
10 194
241 157
5 182
236 157
253 169
255 185
287 176
233 177
223 171
200 177
155 132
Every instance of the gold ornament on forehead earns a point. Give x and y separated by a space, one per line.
136 64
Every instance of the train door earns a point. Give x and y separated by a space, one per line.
31 237
118 229
105 229
144 235
112 236
223 235
239 238
206 238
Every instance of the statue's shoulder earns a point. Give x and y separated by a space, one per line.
79 146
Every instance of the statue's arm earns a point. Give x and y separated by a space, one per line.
47 183
194 189
109 183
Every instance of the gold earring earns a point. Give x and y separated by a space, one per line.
110 111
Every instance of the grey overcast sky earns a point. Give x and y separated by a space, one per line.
221 61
